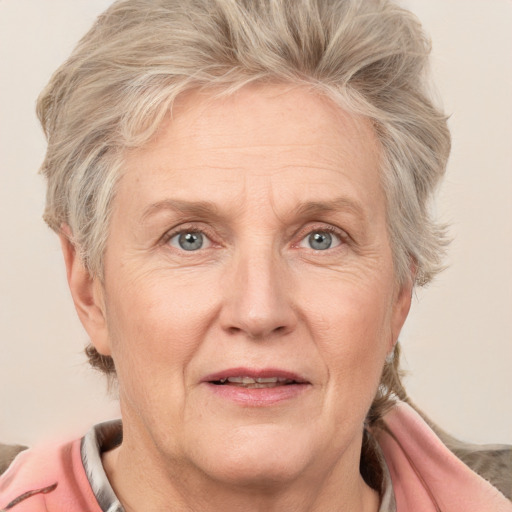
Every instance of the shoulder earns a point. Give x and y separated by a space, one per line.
491 462
45 478
428 465
8 453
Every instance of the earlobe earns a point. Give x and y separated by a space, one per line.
87 293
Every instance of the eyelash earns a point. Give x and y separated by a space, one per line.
342 236
182 229
303 234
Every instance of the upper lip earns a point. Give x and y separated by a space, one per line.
255 374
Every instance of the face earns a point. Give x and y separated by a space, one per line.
249 298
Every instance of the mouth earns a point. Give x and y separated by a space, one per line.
255 378
255 388
255 382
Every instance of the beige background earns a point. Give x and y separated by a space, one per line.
458 340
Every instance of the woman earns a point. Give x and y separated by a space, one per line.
242 191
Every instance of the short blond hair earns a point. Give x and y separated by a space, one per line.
369 56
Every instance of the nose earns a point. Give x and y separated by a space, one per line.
258 297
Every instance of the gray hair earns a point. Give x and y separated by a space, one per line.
369 56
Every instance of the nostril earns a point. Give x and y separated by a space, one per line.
258 333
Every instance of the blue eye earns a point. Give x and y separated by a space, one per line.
189 241
321 240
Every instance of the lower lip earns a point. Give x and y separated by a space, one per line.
257 397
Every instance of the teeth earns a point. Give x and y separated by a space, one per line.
257 382
241 380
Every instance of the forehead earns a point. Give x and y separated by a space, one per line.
262 140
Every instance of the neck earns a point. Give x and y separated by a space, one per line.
144 482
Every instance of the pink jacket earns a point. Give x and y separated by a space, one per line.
426 476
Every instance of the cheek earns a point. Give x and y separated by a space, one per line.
353 333
160 311
354 312
156 326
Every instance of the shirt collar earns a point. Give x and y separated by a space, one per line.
99 439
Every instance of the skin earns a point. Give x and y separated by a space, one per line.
275 164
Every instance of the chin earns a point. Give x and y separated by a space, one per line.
257 457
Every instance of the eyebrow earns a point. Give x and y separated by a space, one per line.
205 209
209 210
312 208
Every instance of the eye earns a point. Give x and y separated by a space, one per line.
189 240
321 240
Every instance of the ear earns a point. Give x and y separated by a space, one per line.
401 308
87 292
